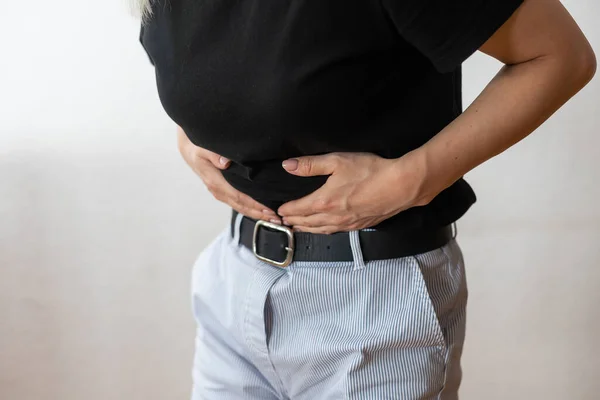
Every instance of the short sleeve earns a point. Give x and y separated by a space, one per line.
448 32
141 40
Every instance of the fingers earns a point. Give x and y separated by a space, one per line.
313 165
316 202
246 205
315 220
190 151
338 223
216 159
224 192
207 165
321 223
325 230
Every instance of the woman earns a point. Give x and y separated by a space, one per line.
335 131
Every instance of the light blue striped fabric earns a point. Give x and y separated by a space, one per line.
386 329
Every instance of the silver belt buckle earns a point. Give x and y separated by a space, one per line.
289 248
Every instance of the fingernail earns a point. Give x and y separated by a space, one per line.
275 221
270 212
223 160
285 222
290 165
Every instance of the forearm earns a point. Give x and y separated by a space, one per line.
518 100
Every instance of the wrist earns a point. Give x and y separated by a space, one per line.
416 168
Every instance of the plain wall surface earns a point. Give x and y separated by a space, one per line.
101 220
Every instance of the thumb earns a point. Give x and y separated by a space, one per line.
311 165
221 162
215 159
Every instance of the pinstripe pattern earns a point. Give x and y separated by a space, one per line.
385 329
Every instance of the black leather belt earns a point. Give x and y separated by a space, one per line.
279 245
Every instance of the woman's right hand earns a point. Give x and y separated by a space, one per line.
207 165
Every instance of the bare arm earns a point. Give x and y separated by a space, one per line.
548 60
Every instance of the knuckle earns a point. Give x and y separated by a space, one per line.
237 198
331 204
337 158
322 203
244 211
306 165
214 161
353 226
254 214
343 220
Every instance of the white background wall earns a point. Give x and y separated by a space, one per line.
100 221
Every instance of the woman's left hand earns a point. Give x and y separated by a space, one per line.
362 190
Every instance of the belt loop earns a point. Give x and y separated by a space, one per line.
357 254
236 228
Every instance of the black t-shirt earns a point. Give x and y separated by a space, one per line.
260 81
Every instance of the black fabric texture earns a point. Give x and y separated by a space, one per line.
262 81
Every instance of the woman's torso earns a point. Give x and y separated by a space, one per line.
259 82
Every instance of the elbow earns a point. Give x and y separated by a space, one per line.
574 68
584 65
590 66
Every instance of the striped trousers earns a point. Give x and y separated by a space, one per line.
384 329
